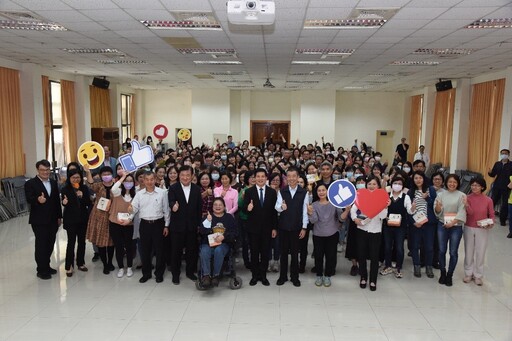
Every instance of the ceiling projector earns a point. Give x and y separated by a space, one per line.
251 12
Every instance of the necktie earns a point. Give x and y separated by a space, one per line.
261 197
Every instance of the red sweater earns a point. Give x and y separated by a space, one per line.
479 207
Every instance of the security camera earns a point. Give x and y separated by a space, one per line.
251 4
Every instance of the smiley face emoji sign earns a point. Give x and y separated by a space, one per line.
91 153
184 134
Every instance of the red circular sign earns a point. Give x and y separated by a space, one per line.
160 131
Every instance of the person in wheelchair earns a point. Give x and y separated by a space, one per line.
218 234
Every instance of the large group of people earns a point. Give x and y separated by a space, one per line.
205 203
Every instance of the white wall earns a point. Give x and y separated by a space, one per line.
172 108
210 114
271 105
360 114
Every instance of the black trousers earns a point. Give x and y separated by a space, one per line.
123 243
500 195
76 235
179 241
368 247
260 245
303 250
152 242
326 247
289 242
45 240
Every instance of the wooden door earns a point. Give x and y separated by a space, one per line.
260 129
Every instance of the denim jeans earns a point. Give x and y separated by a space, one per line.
206 252
452 235
394 236
426 233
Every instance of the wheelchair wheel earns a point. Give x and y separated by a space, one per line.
199 286
235 283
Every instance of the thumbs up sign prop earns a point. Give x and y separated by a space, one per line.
139 157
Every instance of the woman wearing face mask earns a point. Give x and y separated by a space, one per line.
77 202
394 231
98 226
215 174
422 233
369 232
450 208
121 230
226 192
336 174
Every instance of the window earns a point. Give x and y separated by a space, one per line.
56 145
126 124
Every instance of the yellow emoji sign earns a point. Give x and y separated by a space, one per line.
91 153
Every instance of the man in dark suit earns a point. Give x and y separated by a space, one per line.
292 203
186 204
259 204
502 170
42 194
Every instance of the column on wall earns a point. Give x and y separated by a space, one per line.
459 154
32 115
506 123
83 110
210 114
427 122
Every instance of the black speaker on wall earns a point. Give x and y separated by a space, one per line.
100 83
444 85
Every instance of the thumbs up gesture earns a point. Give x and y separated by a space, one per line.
284 206
310 209
439 206
41 199
175 207
250 206
413 206
65 201
209 216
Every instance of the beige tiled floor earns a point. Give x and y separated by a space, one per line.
92 306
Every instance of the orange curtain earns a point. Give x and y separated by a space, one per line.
101 115
69 119
484 125
415 125
443 127
132 115
12 157
47 112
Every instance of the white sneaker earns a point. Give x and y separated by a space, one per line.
129 272
270 266
275 268
340 248
120 273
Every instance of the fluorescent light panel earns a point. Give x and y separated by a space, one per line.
121 61
328 52
343 23
315 62
97 51
181 25
445 52
491 23
31 25
207 51
218 62
414 63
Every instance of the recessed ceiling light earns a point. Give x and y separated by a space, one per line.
240 86
234 81
228 73
204 76
414 62
185 20
491 23
97 51
121 61
328 52
218 62
359 18
311 73
207 51
31 25
381 75
303 82
358 87
315 62
445 52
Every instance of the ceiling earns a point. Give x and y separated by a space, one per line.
265 51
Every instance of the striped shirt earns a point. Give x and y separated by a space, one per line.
421 204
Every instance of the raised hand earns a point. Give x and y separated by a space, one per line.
209 191
175 207
79 193
250 206
310 209
65 201
209 216
464 200
439 206
41 199
284 206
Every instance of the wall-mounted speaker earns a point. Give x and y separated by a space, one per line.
444 85
100 83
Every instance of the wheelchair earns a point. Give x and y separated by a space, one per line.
228 270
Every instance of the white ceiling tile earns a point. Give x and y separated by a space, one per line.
328 13
137 4
63 17
91 4
107 15
433 3
332 3
471 14
480 3
150 14
35 5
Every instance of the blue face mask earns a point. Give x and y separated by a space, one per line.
215 176
350 174
360 186
336 176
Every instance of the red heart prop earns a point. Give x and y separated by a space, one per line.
371 203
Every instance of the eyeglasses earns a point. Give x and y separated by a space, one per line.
43 169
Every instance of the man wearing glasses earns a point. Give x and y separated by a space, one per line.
45 216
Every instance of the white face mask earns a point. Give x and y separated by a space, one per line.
360 186
377 158
397 187
407 169
503 156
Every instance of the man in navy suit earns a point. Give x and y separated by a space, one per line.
185 204
42 194
259 203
